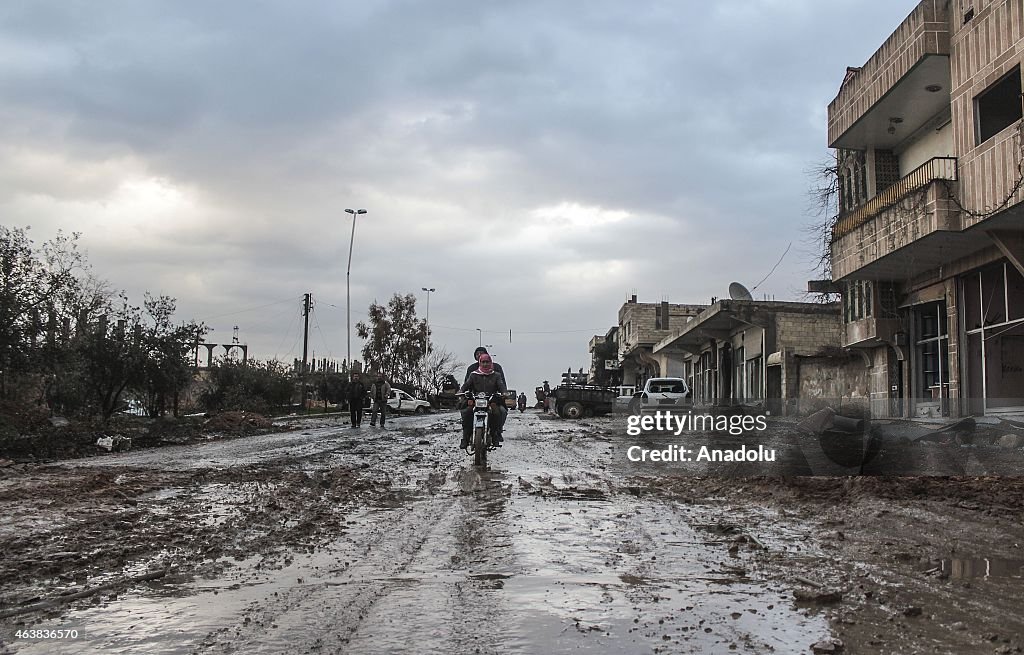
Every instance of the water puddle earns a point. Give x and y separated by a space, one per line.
959 568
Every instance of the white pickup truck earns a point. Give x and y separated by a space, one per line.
400 401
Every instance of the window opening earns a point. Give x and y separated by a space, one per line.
998 107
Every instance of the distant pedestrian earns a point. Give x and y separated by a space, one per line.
379 393
356 398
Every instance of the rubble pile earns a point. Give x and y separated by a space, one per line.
236 421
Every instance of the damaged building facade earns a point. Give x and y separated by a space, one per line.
784 356
604 359
765 353
641 326
928 248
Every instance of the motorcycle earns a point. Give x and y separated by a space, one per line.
483 439
522 404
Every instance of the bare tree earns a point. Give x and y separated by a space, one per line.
824 198
439 367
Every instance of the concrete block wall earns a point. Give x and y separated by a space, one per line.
807 334
841 381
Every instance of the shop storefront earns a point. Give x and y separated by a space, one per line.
993 323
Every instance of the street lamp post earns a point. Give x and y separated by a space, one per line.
429 291
348 277
480 333
426 363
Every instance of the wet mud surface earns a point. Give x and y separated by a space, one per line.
326 539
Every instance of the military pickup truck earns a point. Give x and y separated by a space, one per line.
581 400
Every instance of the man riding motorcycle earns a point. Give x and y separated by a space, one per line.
522 402
484 379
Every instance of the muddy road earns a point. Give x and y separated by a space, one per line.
326 539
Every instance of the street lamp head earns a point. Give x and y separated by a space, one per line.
356 211
429 290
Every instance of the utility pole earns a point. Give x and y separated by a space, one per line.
305 345
348 277
426 355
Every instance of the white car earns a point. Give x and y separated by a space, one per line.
400 401
663 394
624 399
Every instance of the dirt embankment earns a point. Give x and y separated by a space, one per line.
30 434
72 527
898 564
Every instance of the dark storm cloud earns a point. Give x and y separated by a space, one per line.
207 150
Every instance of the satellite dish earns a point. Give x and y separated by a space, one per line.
739 292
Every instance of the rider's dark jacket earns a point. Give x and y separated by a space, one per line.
478 382
476 365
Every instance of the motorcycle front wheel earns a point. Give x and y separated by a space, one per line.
480 446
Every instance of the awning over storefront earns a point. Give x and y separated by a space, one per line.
715 322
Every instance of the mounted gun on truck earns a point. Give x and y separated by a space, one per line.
574 398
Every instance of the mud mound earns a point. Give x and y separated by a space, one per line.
19 418
236 422
992 493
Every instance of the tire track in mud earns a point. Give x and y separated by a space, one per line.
366 587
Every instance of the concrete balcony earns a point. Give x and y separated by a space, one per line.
915 216
937 168
908 79
868 332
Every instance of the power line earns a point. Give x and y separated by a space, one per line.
449 327
316 323
287 332
249 309
272 317
774 267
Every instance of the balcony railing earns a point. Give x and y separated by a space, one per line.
937 168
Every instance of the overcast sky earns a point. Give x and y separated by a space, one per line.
533 161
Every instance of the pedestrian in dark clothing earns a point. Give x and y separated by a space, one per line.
379 393
356 398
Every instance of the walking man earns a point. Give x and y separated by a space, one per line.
356 398
380 392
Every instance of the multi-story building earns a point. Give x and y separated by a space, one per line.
765 353
928 250
604 365
641 325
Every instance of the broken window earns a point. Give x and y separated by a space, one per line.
852 180
739 386
1014 293
995 338
998 107
755 374
661 317
858 301
932 356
